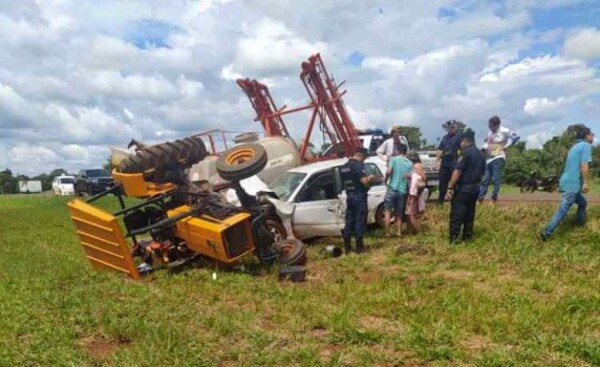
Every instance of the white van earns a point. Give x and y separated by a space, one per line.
63 185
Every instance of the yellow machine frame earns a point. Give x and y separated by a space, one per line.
106 246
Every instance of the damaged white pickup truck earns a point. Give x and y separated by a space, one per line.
310 199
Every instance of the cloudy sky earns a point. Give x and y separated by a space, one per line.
79 76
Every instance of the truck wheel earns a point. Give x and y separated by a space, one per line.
276 229
241 162
290 252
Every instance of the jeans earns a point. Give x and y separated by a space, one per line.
394 202
568 199
462 214
356 216
493 171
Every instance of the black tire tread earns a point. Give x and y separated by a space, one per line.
183 153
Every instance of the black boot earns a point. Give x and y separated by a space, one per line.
347 245
360 247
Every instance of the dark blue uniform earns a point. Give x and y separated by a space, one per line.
471 164
450 146
356 203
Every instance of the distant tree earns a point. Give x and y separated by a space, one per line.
413 135
8 183
57 172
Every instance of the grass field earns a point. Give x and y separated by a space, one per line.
503 300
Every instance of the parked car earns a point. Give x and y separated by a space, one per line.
371 139
63 185
315 192
92 181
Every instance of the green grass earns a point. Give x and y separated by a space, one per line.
514 189
503 300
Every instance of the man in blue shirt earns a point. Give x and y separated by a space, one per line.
574 182
399 167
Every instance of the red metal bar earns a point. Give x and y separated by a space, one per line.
326 102
265 107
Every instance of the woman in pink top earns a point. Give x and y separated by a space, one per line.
417 194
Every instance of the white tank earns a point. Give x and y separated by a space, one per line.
282 154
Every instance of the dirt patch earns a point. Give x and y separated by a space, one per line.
455 274
380 324
327 352
419 250
477 343
319 333
101 348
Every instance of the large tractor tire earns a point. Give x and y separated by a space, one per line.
290 252
182 153
241 162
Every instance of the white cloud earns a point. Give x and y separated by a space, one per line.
73 82
548 107
271 48
584 45
133 86
383 64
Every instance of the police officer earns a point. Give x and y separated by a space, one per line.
356 183
447 155
463 188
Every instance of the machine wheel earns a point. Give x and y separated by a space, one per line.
276 229
290 252
179 152
379 216
241 162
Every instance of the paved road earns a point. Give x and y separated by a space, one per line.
542 197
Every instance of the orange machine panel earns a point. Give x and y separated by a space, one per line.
102 238
223 240
134 185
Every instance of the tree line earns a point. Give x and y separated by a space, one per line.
9 183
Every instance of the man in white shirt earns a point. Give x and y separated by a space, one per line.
389 148
499 138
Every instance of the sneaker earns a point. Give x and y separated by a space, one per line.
543 236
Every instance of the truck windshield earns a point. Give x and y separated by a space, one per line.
67 181
286 183
97 173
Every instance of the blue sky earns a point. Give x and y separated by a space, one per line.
77 77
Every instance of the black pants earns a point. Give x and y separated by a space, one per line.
356 216
462 214
445 175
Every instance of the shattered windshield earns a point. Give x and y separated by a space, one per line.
286 183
